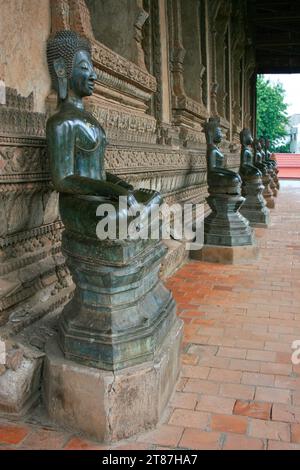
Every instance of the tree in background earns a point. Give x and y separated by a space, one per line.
272 116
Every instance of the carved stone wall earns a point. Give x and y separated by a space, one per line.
33 278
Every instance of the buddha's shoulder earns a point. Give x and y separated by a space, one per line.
68 120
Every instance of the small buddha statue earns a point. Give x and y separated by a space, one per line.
258 159
258 162
271 160
224 226
254 208
266 160
248 170
76 141
220 179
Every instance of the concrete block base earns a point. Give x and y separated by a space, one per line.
227 254
20 389
107 405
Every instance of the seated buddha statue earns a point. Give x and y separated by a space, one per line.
258 158
248 170
220 179
76 141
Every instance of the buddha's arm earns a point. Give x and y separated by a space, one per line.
116 180
60 139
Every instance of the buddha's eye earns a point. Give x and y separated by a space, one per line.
84 67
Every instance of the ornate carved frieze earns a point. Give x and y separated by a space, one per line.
124 126
23 163
21 122
74 14
131 161
29 229
118 65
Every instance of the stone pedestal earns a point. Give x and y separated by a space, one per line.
121 311
254 207
276 180
267 192
108 405
272 184
225 225
228 237
116 359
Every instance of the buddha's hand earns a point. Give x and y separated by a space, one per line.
125 185
132 202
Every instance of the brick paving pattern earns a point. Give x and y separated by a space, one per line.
239 388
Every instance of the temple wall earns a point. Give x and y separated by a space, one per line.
155 88
25 27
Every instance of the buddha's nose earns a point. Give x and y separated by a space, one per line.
93 75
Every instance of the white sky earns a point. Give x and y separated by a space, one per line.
291 84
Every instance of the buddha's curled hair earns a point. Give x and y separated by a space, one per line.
210 127
65 44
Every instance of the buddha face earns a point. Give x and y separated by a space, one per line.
258 145
218 135
82 81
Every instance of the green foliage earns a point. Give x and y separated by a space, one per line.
271 110
284 148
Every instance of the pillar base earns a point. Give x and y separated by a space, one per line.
225 225
270 202
255 209
106 405
227 254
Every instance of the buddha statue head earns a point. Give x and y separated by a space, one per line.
262 142
70 65
246 137
213 132
257 145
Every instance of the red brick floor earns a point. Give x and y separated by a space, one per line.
239 388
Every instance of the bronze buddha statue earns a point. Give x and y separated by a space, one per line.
254 208
248 170
271 169
220 179
224 226
76 141
262 166
112 320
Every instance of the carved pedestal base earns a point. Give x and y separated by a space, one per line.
267 192
121 311
115 363
109 405
273 185
254 207
225 226
276 180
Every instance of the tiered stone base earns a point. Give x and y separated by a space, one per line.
254 207
273 184
115 361
225 225
267 192
228 237
107 405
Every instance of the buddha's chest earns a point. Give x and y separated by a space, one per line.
90 143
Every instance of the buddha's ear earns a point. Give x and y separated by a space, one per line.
62 79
